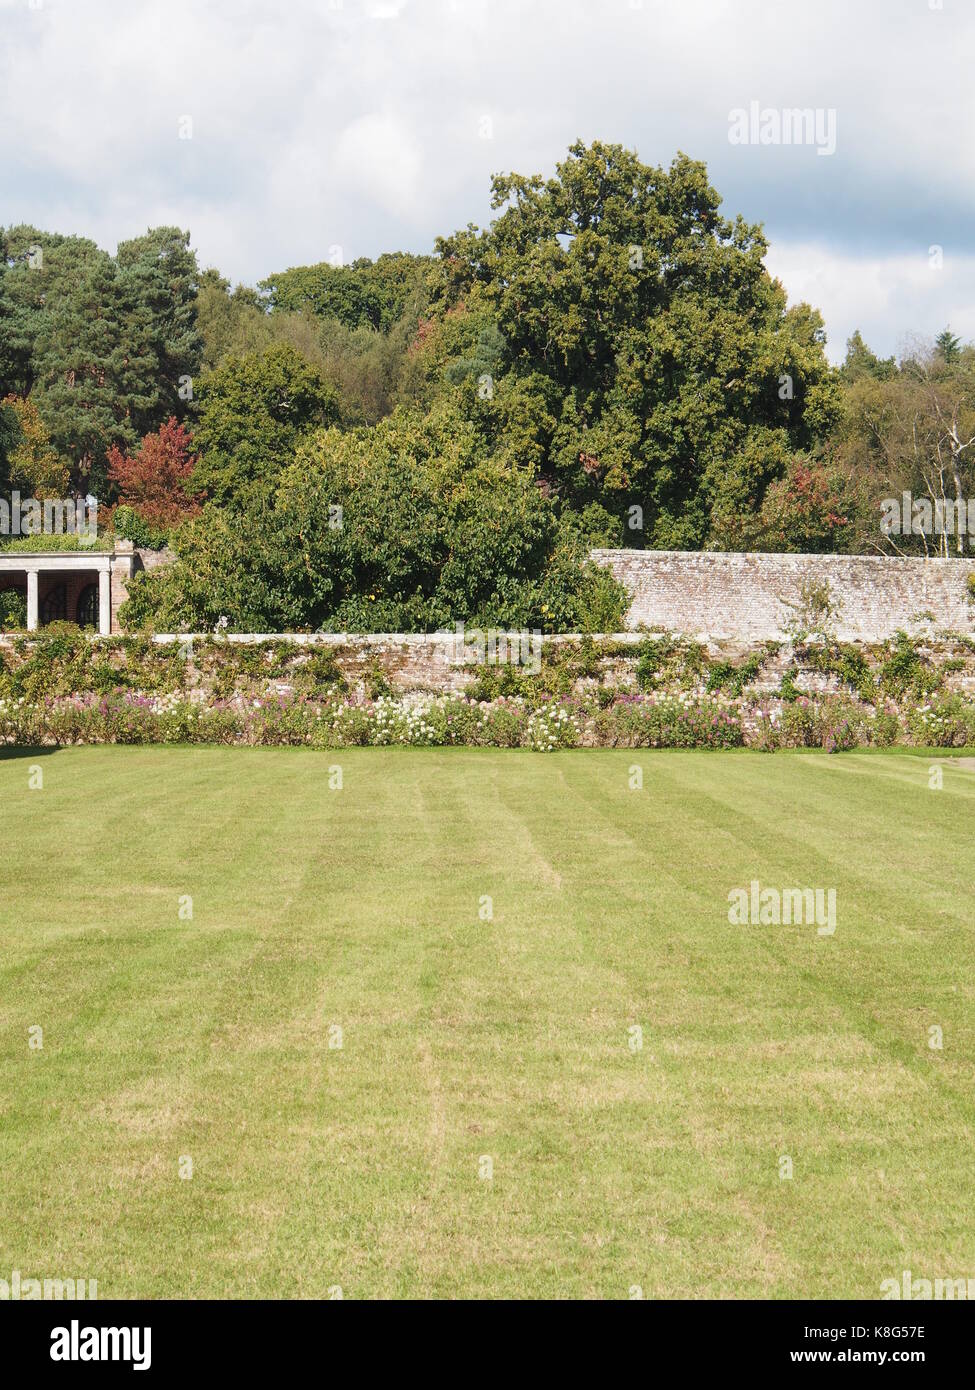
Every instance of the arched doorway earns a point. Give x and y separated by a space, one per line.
88 606
54 609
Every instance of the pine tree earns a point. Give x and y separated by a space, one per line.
948 345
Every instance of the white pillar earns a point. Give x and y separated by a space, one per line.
32 623
104 602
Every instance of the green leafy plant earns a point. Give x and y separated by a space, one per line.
905 671
13 610
130 526
813 612
723 675
666 660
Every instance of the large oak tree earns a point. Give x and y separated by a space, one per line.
649 359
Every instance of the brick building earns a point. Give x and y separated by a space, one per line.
80 586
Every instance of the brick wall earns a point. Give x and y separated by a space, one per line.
717 596
712 596
72 586
410 661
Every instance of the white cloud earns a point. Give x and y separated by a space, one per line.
376 156
887 297
362 123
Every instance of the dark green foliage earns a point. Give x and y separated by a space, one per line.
132 527
648 338
254 412
410 526
948 345
365 293
10 435
101 343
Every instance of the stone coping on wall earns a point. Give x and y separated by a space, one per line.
381 639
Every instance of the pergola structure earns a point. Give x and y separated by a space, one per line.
83 586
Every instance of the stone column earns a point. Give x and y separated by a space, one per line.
32 616
104 602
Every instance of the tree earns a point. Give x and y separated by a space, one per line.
33 466
95 367
254 411
948 346
914 432
9 439
365 293
860 361
810 509
645 328
156 483
39 269
104 345
371 371
409 526
230 324
163 277
12 364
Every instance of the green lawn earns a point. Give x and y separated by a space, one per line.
360 1166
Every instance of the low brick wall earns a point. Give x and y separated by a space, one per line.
712 595
415 666
411 662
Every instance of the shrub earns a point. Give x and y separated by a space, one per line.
905 672
886 729
551 727
409 526
13 610
798 725
841 725
503 724
638 722
948 722
132 527
495 681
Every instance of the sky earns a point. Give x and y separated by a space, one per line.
285 132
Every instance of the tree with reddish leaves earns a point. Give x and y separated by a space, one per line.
155 482
811 508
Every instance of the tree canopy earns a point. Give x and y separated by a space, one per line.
100 343
607 362
253 412
646 356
